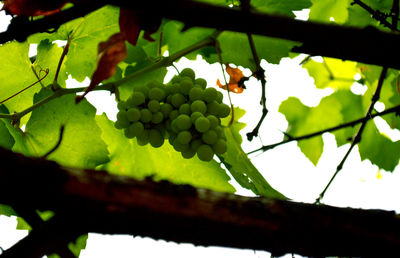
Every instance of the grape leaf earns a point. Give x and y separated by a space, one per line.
130 159
237 162
235 49
379 149
48 56
7 210
81 145
304 120
324 10
79 245
178 40
235 83
390 96
283 7
6 139
333 73
16 75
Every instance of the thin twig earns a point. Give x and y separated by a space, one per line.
357 137
331 129
60 62
60 138
376 14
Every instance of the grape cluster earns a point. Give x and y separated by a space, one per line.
185 111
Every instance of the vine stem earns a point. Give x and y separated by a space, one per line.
165 61
357 137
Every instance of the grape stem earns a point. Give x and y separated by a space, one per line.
163 62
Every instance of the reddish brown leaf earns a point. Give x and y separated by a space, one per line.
236 76
33 7
111 52
129 25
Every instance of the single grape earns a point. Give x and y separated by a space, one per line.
130 103
195 93
213 121
179 146
210 94
188 72
195 144
145 115
186 86
220 147
119 125
174 114
220 132
194 116
201 82
184 137
198 106
177 100
188 154
155 138
122 105
210 137
185 109
122 117
223 110
220 97
157 117
133 114
183 122
205 152
143 138
213 108
202 124
174 126
137 128
128 133
138 98
143 89
157 94
153 105
154 84
165 109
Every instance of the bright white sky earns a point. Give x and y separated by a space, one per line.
359 184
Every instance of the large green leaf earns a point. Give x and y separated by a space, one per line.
130 159
333 73
237 162
6 139
378 148
304 120
81 144
235 49
324 10
16 74
390 96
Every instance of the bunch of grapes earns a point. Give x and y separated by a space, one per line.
185 111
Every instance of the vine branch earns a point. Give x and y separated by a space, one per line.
331 129
376 14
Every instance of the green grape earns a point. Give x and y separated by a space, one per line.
122 105
154 84
184 137
169 99
213 121
194 116
220 132
157 94
161 128
188 72
183 122
174 126
153 105
130 103
133 114
186 86
143 89
143 138
220 97
201 82
122 117
198 106
195 144
177 100
157 117
220 147
179 146
165 109
145 115
205 152
202 124
176 79
185 109
155 138
174 114
128 133
210 94
188 154
223 110
136 128
119 125
210 137
171 137
195 93
138 98
213 108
